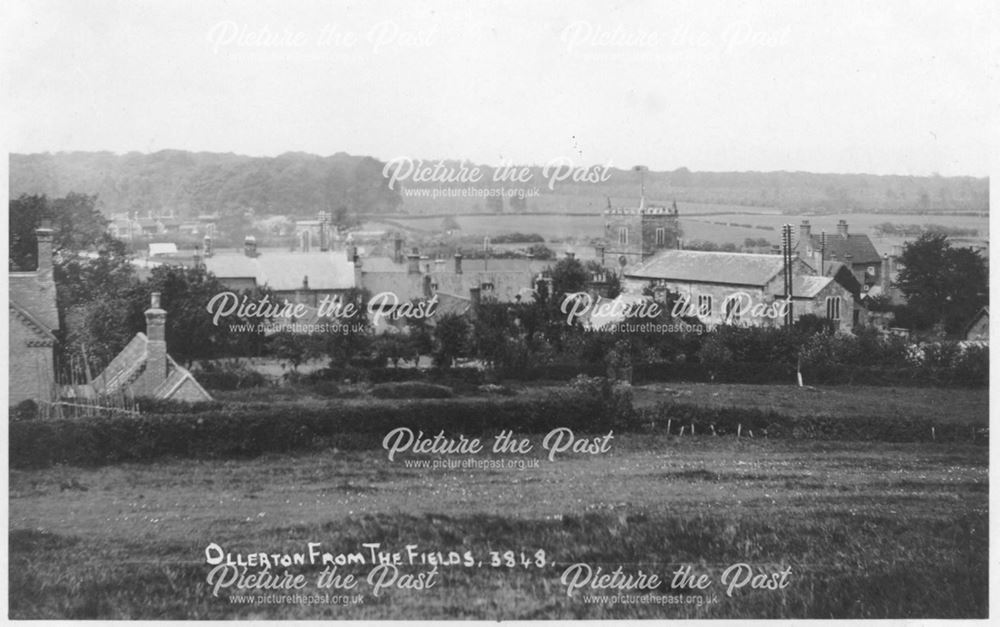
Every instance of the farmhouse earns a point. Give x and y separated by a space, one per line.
145 368
34 320
719 287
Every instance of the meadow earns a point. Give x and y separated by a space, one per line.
715 223
869 530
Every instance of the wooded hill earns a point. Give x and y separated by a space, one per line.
300 184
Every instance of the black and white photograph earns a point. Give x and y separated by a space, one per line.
498 311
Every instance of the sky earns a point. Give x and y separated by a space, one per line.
893 87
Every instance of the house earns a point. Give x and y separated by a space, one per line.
305 277
410 275
854 250
144 368
722 287
34 319
978 329
633 234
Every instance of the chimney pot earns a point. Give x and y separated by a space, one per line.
458 263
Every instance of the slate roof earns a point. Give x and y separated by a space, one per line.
35 296
858 245
285 270
696 266
808 286
129 364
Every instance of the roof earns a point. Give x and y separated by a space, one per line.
451 304
162 248
129 364
984 312
856 247
286 270
808 286
35 295
696 266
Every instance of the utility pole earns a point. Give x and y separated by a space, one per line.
786 237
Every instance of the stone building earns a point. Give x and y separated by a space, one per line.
719 288
34 319
633 234
854 250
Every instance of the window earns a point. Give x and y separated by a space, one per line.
732 311
661 236
833 307
704 305
623 235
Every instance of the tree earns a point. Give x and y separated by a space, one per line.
451 339
76 223
568 276
942 285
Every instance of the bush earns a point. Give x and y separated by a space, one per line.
25 410
252 429
229 375
411 389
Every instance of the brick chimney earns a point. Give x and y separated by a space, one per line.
44 236
208 246
475 295
156 345
250 246
842 228
458 263
413 262
805 235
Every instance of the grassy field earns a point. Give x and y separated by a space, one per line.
942 405
714 223
869 530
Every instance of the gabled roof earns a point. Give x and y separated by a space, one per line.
125 367
854 248
128 366
43 332
284 271
808 286
36 296
984 312
696 266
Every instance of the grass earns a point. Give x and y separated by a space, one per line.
870 530
968 406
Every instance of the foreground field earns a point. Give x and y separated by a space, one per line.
869 530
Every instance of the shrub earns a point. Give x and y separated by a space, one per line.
411 389
25 410
229 375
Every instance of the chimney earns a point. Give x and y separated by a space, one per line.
197 259
805 236
842 228
357 272
458 263
600 253
44 236
413 262
886 271
397 250
428 291
250 246
208 246
156 345
475 295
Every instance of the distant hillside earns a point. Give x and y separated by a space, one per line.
190 183
301 184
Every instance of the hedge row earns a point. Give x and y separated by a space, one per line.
252 429
732 420
768 373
